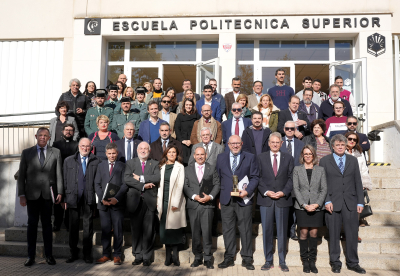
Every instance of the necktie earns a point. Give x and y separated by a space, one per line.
111 168
200 173
289 147
237 127
128 154
41 159
275 165
127 115
341 167
84 165
164 145
206 120
99 109
143 164
207 151
140 105
234 163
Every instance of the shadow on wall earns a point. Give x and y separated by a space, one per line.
8 167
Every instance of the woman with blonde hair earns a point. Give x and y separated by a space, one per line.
171 204
149 87
188 94
244 101
129 92
270 112
102 137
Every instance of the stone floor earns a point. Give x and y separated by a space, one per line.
14 266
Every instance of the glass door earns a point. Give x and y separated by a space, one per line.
354 74
205 71
142 73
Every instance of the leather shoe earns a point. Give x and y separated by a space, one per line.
146 263
208 264
336 269
137 262
248 265
196 263
29 262
50 260
117 261
226 263
284 268
88 259
294 237
359 240
72 259
103 260
267 266
357 269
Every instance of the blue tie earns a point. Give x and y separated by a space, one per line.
128 157
84 164
234 163
341 167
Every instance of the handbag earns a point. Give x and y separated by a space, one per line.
367 211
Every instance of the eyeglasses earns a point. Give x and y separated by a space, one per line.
235 144
166 101
289 128
236 110
352 123
352 140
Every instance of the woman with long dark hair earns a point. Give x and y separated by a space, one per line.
90 91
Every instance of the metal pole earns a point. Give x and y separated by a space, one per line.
397 77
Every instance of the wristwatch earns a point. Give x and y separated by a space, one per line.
304 205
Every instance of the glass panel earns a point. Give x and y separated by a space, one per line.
207 72
116 51
294 50
268 77
246 75
142 75
245 50
163 51
343 49
209 50
113 72
352 79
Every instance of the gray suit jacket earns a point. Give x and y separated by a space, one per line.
252 101
212 158
192 185
309 193
35 180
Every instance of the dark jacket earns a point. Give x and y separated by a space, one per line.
71 168
227 128
314 110
285 115
298 146
156 152
66 148
121 149
80 101
311 140
326 109
283 181
248 140
117 178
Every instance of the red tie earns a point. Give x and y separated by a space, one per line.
111 168
275 165
237 127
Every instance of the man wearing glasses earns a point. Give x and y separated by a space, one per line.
352 126
236 125
166 115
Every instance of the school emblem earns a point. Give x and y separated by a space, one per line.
376 45
227 47
92 26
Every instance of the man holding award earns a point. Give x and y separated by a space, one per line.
237 169
111 191
201 187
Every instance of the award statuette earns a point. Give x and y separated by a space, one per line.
235 190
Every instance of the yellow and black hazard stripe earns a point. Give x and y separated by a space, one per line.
379 164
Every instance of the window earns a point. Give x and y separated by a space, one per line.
116 51
209 50
113 71
245 50
246 75
141 75
163 51
294 50
343 49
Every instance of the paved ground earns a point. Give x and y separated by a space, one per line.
14 266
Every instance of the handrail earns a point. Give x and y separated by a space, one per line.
30 113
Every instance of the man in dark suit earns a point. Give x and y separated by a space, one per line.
142 175
148 130
344 201
255 137
127 147
200 206
39 184
230 97
67 147
274 197
111 210
294 114
237 209
159 146
79 174
236 125
186 85
352 123
208 99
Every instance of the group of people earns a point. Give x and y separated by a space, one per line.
166 158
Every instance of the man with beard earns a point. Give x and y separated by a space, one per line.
230 97
157 94
281 93
67 147
326 109
308 106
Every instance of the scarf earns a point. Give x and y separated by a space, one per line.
213 127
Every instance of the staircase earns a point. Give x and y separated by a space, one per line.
380 248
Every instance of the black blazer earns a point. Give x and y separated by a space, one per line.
248 140
282 182
298 146
121 149
157 151
363 138
285 116
117 178
151 175
343 188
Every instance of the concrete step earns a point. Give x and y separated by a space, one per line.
385 205
384 172
384 194
384 218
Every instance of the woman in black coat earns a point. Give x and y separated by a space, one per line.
183 127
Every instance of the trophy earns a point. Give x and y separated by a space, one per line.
235 190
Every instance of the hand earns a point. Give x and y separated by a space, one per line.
174 208
219 204
136 177
329 207
197 198
149 186
205 199
79 110
243 193
58 199
22 201
365 142
298 134
271 194
301 122
279 194
64 205
113 201
360 209
187 142
105 202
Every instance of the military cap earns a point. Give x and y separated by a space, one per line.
101 93
125 100
113 87
141 90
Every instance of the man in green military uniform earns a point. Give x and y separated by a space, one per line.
126 116
113 93
94 112
139 105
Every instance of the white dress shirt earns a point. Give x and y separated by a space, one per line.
86 161
209 146
236 94
287 144
126 147
241 126
165 116
162 142
209 103
196 166
44 151
141 177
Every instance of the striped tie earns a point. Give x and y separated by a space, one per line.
234 163
341 167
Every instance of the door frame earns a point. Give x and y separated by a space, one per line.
199 67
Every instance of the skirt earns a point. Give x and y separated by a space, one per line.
309 219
